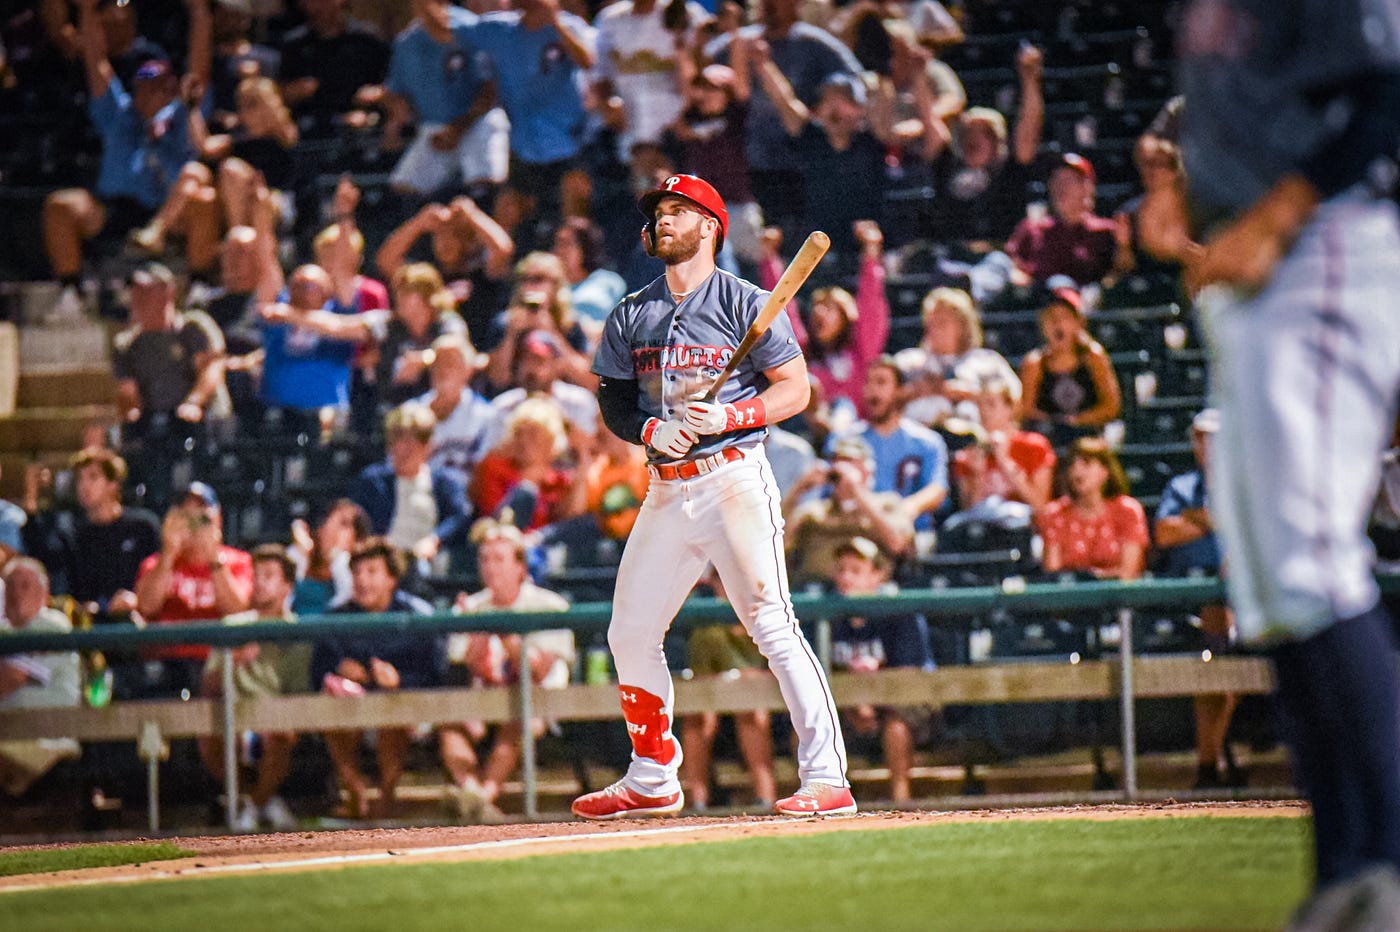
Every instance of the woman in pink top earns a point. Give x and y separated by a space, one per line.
1098 527
846 333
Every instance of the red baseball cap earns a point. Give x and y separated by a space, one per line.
694 189
1077 162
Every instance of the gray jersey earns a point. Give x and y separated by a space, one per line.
1265 86
674 352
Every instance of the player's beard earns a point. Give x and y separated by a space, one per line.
682 247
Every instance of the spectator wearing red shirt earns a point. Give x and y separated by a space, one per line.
193 577
1098 528
1071 240
521 475
1008 463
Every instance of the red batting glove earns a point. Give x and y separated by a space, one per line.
705 417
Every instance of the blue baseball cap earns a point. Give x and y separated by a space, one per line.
848 84
202 491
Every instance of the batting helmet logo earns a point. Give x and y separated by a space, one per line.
694 189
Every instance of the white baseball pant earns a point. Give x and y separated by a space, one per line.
1305 374
730 517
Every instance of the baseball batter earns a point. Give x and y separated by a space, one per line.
712 499
1290 129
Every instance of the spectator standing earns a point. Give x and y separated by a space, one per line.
847 334
980 180
167 362
866 645
1068 386
1097 528
261 671
193 577
236 55
417 507
540 55
1184 535
807 56
147 137
845 506
711 136
423 312
472 251
950 367
910 460
498 660
440 74
638 53
325 62
841 136
349 665
34 681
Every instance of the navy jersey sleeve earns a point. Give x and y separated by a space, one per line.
906 642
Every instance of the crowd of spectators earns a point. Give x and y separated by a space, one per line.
501 233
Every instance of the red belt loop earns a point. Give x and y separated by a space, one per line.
694 468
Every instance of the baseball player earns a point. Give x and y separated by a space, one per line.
712 499
1290 128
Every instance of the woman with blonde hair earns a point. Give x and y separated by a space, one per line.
523 476
541 300
423 311
950 367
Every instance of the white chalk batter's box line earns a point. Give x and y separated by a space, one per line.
370 857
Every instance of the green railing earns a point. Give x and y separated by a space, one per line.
936 604
941 607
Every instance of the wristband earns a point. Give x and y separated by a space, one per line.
746 414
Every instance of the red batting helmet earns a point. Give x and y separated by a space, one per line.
694 189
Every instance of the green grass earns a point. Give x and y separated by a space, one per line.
1187 873
67 859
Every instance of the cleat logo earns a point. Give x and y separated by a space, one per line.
636 729
628 697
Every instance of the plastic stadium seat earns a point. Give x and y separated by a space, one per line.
1149 466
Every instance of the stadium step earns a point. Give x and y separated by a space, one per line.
63 388
47 429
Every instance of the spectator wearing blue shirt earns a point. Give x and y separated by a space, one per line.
439 74
807 56
1185 536
910 459
540 56
865 645
308 345
148 135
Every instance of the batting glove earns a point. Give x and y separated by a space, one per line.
670 438
705 417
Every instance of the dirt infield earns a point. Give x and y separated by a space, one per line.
241 854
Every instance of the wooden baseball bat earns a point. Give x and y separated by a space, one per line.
794 275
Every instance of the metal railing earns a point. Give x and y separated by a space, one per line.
953 685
